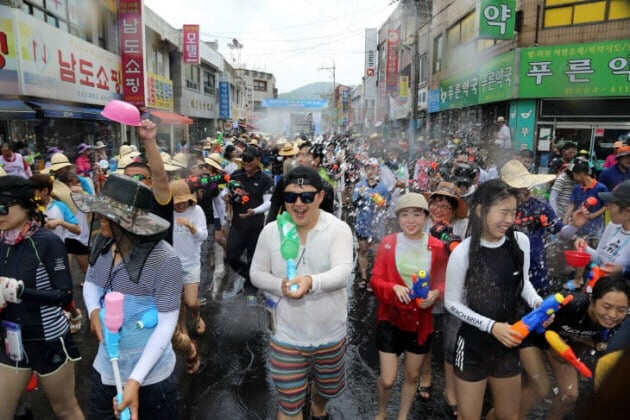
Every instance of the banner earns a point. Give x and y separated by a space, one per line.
497 19
295 103
131 32
559 71
391 72
8 54
54 64
160 92
191 44
224 100
404 87
371 54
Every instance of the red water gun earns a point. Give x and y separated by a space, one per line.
567 353
594 274
590 203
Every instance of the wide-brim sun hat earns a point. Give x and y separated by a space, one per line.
99 145
449 189
516 175
83 147
125 202
289 149
168 163
122 112
180 160
127 150
215 160
412 200
123 162
57 161
181 192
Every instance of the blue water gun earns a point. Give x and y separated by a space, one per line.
111 316
420 288
534 320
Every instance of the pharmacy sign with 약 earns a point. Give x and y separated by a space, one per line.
496 19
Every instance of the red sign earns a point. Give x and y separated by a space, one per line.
131 30
391 71
191 44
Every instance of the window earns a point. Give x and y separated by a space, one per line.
438 52
208 83
260 85
422 66
573 12
192 76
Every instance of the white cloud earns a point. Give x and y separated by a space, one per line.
289 38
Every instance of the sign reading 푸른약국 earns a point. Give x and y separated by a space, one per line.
497 19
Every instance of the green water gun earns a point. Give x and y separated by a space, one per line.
289 245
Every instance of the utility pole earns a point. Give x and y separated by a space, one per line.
333 96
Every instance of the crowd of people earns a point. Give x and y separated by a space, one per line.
452 238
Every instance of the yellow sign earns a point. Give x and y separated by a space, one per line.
404 87
159 92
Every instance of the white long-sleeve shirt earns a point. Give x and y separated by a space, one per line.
320 316
187 246
454 290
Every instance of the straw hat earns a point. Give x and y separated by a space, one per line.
169 165
180 160
57 161
127 150
281 141
516 175
215 160
253 142
289 149
449 189
99 145
124 161
181 192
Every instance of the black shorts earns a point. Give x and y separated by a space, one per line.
75 247
45 357
450 327
390 339
535 340
479 355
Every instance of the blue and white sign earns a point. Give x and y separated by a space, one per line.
295 103
434 101
224 100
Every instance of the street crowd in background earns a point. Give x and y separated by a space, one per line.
456 241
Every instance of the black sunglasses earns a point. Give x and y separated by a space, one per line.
4 207
140 177
306 197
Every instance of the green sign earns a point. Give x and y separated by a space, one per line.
459 92
497 18
496 79
522 123
597 69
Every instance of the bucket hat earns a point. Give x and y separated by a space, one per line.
57 162
516 175
412 200
83 147
181 192
126 202
449 189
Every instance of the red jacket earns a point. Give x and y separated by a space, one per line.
407 317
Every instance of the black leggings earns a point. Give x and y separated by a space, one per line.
242 239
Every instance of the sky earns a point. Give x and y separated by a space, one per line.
292 39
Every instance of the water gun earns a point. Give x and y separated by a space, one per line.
567 353
420 288
289 245
239 195
378 200
534 320
219 138
590 203
202 181
111 316
538 220
148 320
594 274
444 233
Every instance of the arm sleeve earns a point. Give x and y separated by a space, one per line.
56 263
454 291
276 203
340 255
260 270
200 225
90 297
553 199
156 345
528 293
266 204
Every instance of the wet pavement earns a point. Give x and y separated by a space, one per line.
235 382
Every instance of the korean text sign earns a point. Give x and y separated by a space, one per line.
159 92
497 19
596 69
131 33
191 44
224 100
391 71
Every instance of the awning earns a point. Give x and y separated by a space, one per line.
14 109
52 110
168 117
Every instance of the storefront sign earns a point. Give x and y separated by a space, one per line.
522 123
459 92
8 54
596 69
191 44
371 54
131 34
54 64
391 72
224 100
159 92
496 79
433 104
497 19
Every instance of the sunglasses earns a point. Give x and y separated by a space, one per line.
140 177
306 197
4 207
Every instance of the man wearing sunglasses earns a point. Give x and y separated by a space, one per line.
248 216
310 322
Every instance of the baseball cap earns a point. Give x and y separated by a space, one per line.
304 175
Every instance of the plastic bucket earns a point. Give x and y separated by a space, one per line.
577 258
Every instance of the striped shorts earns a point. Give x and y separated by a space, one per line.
290 368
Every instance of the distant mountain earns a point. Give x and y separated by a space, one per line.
318 90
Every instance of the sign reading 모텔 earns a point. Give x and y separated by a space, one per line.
131 33
597 69
497 19
191 44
